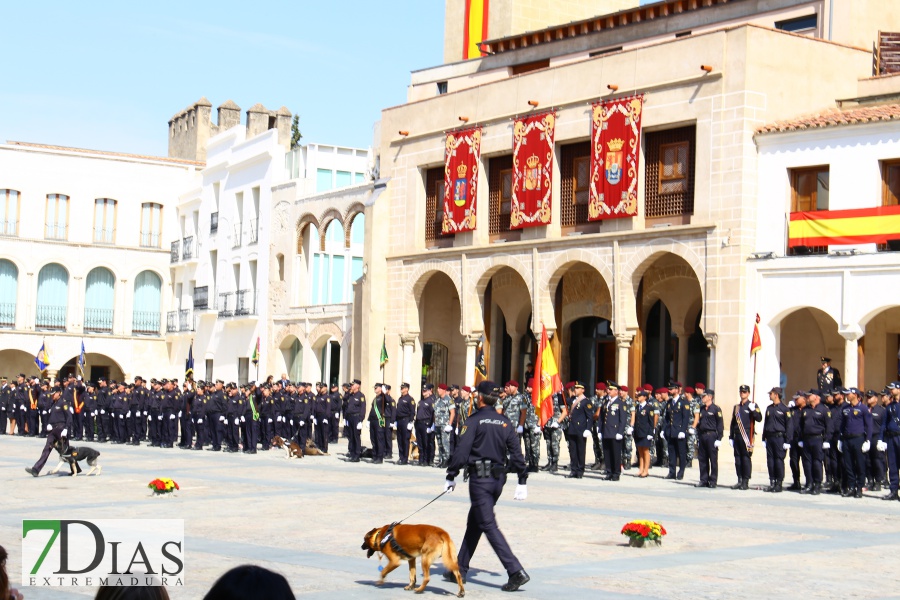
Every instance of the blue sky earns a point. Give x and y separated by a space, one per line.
110 75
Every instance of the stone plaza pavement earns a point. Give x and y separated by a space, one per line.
306 519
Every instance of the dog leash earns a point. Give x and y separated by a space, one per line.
424 507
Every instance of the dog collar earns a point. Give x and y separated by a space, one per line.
389 538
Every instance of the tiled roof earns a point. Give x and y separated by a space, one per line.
834 117
167 159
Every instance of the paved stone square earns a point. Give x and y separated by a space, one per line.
306 520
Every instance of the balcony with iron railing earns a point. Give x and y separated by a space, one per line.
226 304
56 232
253 232
104 236
187 248
201 297
7 315
9 228
98 320
214 222
145 322
245 303
172 321
50 317
185 322
236 242
176 246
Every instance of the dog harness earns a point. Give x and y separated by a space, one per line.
390 539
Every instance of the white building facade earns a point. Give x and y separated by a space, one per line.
837 300
82 258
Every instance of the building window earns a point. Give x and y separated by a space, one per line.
52 298
803 25
890 175
576 178
434 203
359 178
99 300
324 180
104 221
151 224
441 88
532 66
57 217
670 172
146 317
500 194
9 212
809 189
9 288
343 179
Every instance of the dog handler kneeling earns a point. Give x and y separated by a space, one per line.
483 445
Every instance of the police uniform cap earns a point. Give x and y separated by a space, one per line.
321 384
777 390
136 377
825 359
892 385
886 391
345 385
709 392
453 386
814 392
577 384
744 388
387 386
512 383
378 385
871 393
643 392
800 394
428 386
688 390
648 387
356 381
851 390
220 381
611 384
487 388
674 384
404 385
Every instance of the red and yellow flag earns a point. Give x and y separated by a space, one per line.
548 381
843 227
475 28
755 341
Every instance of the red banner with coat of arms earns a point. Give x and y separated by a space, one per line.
532 170
615 152
461 155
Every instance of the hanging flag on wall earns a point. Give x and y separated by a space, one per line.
615 156
875 225
461 157
532 170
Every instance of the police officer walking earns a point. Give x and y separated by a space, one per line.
484 443
59 422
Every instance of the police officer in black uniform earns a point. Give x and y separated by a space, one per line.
855 442
425 425
354 413
390 421
875 467
827 377
889 441
406 413
710 428
484 443
778 431
741 435
581 419
815 428
322 417
615 419
59 422
215 417
679 418
334 403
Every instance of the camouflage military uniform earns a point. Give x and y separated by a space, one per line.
532 438
662 446
692 437
628 442
512 407
553 434
442 408
654 405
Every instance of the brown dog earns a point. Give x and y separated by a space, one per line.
313 450
406 542
413 449
291 448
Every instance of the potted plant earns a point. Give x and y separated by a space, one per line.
641 532
162 486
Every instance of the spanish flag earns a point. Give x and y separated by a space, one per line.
877 225
548 381
475 28
755 341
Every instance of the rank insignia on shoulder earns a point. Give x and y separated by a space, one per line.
65 407
463 432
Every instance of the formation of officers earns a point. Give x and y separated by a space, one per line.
835 439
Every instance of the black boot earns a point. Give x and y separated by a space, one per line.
770 487
892 496
816 489
795 487
777 489
739 485
547 466
807 489
553 467
858 493
516 580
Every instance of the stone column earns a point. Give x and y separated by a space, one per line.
851 359
408 342
681 370
472 340
711 341
623 345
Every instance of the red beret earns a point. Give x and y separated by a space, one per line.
661 391
466 388
512 383
648 387
530 383
700 386
600 386
570 385
442 386
624 388
688 390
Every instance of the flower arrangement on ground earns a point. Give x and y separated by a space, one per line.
640 532
163 485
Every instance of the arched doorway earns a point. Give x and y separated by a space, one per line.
807 334
95 366
592 350
327 350
507 325
17 361
443 346
879 350
292 354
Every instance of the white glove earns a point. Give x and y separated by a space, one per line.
554 425
840 446
520 429
326 421
792 404
179 414
662 435
866 446
222 418
449 485
752 406
826 445
302 423
650 437
243 419
731 441
21 407
292 421
121 416
763 444
64 433
800 444
315 421
787 446
629 430
393 425
447 429
200 421
692 431
587 433
345 423
618 436
881 446
102 412
430 429
128 414
521 492
409 427
681 435
717 443
49 427
145 413
359 425
78 378
159 418
171 417
236 421
268 420
599 436
536 429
